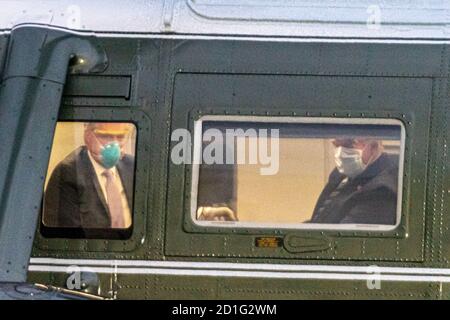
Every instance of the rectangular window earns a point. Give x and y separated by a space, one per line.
90 181
298 173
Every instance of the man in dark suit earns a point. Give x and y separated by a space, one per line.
92 187
362 189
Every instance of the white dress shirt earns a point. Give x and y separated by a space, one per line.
102 181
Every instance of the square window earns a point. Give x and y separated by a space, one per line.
297 173
90 181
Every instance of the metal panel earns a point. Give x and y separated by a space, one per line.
299 18
160 66
318 96
98 86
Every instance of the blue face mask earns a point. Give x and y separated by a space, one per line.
110 154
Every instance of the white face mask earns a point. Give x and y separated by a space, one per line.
349 161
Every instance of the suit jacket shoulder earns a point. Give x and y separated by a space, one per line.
73 197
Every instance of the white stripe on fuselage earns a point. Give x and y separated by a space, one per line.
250 270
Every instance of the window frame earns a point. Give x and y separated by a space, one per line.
98 233
353 97
197 152
141 186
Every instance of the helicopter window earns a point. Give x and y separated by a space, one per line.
283 172
90 181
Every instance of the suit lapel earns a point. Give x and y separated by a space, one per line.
126 175
93 177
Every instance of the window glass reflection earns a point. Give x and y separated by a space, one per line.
329 175
90 177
